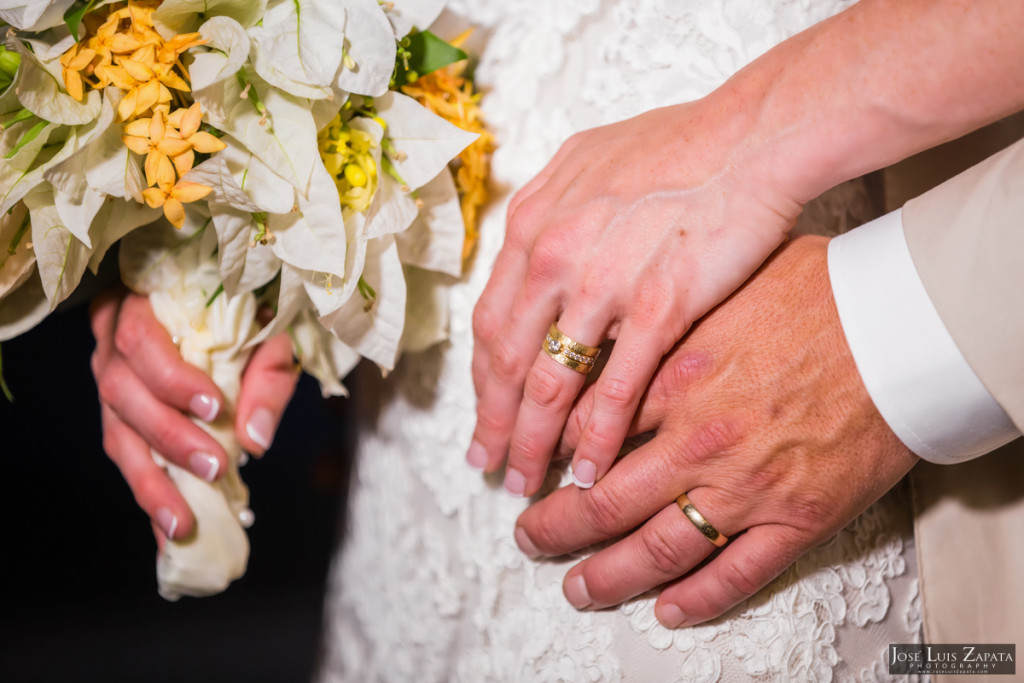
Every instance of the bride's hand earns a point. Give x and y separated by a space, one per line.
761 418
632 232
148 393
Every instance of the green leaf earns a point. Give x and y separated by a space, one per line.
9 62
73 17
28 137
3 383
22 115
421 53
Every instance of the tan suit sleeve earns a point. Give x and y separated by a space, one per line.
966 238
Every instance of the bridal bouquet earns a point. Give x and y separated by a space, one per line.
317 157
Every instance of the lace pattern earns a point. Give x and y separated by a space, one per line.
429 585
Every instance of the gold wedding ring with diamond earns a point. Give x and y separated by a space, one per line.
703 525
569 352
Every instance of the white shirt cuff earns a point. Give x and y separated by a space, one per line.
910 365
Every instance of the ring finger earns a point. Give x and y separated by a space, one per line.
668 546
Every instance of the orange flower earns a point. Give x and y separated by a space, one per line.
174 197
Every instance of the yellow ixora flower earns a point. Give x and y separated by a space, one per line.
169 142
174 197
126 51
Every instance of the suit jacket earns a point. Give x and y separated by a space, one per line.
966 238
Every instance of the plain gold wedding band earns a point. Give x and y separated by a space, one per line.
703 525
569 352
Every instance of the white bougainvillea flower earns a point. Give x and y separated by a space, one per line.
369 49
60 256
425 142
184 16
280 131
372 322
314 237
39 88
434 240
321 354
17 258
227 51
23 309
408 14
299 45
34 15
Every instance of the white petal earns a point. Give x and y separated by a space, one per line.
322 355
314 237
114 221
39 92
291 300
185 16
435 239
371 45
299 46
23 309
242 267
14 268
62 258
285 140
34 15
375 329
409 13
228 50
428 141
427 311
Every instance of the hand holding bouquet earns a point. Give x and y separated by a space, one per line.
244 155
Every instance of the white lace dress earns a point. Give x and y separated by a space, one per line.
429 585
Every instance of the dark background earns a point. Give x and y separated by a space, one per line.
78 598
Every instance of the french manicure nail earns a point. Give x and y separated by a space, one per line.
476 457
584 473
515 482
260 427
670 615
204 466
204 407
576 592
525 544
167 522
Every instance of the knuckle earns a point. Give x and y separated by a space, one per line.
486 322
128 336
616 393
603 511
663 550
547 260
739 580
709 438
529 450
603 436
544 389
508 365
491 422
108 385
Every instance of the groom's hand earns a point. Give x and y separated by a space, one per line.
761 418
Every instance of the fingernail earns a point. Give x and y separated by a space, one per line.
204 407
204 466
515 482
476 457
526 545
260 428
167 522
576 592
584 473
670 615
